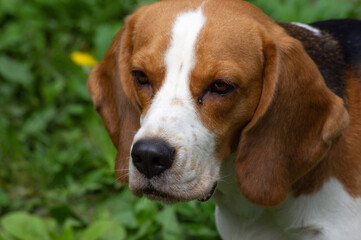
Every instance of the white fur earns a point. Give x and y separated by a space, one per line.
316 31
329 214
173 117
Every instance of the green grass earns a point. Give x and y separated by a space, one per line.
56 160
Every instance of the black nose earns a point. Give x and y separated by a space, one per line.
151 156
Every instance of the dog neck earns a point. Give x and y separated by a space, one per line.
237 217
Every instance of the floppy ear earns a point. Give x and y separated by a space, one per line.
120 117
293 127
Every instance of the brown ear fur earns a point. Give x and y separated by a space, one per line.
119 116
293 127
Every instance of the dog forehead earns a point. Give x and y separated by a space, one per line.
229 24
155 21
158 18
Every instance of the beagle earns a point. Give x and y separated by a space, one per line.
207 98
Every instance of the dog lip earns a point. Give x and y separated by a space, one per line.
209 195
150 191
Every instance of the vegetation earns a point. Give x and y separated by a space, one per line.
56 160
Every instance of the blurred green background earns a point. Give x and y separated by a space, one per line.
56 160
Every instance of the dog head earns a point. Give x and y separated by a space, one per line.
185 83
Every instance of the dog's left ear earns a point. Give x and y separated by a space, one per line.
293 127
107 87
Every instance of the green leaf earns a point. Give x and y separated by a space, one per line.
67 234
12 34
121 209
15 71
96 230
187 209
39 120
170 226
116 231
4 236
144 229
101 139
103 38
127 218
4 199
146 207
51 91
8 6
201 231
25 226
63 212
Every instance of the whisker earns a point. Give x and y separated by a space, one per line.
121 170
121 176
117 170
224 179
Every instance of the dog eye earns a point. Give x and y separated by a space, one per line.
221 87
140 77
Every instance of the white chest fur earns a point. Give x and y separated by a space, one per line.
329 214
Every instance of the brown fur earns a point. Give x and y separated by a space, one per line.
343 160
297 119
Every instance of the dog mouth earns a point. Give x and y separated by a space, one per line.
208 195
151 193
154 194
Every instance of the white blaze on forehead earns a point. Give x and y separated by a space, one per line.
180 57
179 61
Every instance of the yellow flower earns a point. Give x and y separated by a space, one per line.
83 58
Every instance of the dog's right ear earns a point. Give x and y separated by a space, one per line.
107 90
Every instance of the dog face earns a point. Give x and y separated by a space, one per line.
193 97
185 83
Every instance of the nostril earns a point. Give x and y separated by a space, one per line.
152 156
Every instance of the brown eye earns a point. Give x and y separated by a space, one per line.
221 87
140 77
